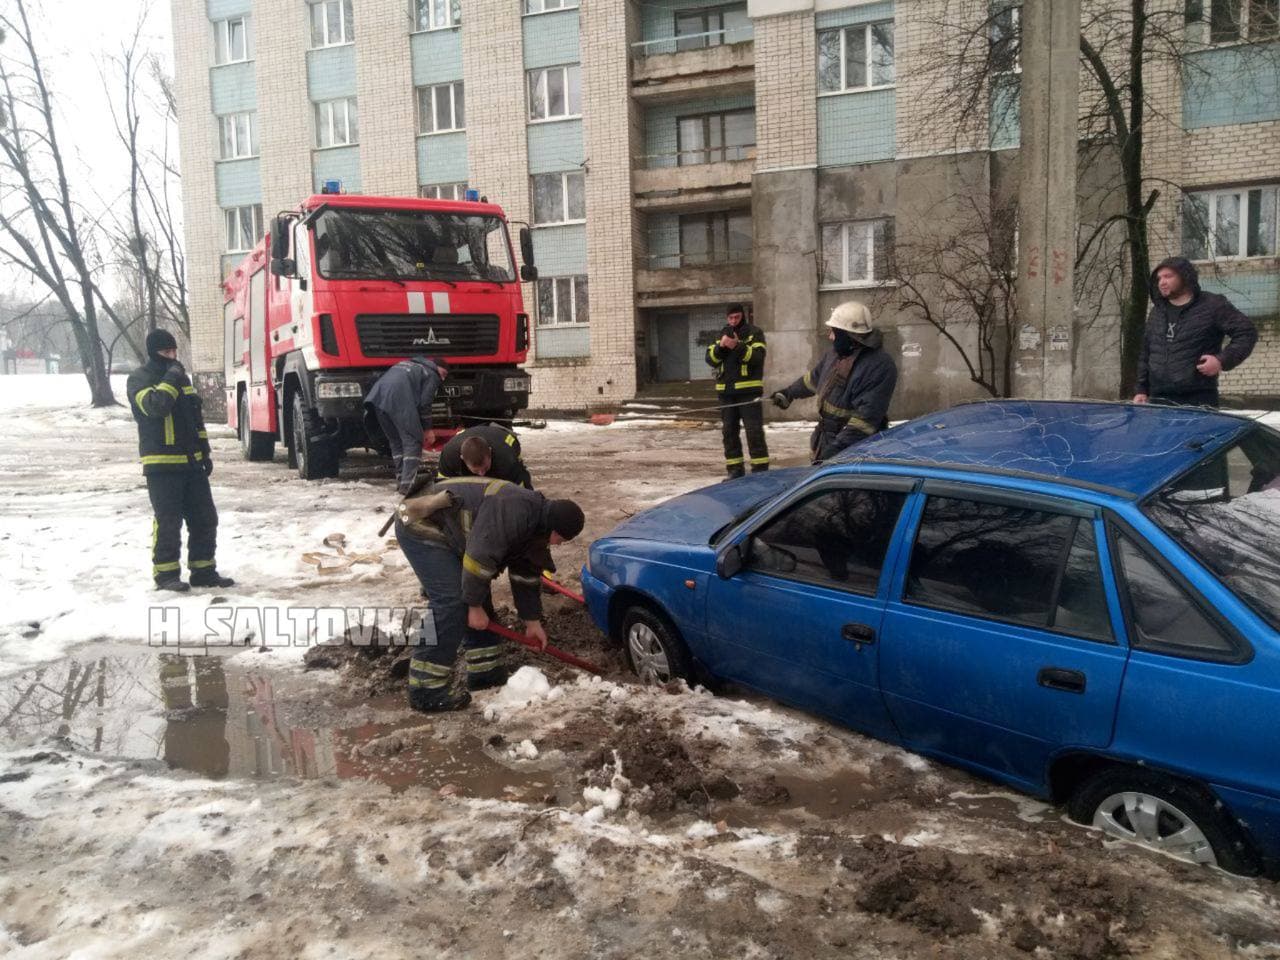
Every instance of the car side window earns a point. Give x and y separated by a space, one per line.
836 538
1165 617
1025 566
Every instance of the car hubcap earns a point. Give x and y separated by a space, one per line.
1153 823
648 655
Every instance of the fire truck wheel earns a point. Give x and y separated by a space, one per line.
315 459
255 445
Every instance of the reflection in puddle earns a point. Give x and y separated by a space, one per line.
219 718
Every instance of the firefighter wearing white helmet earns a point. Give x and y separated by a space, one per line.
853 382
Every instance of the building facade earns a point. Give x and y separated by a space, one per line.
675 156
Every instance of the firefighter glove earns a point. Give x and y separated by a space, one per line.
781 400
207 463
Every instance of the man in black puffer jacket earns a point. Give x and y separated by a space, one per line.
1182 352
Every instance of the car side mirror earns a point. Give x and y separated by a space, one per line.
528 272
730 562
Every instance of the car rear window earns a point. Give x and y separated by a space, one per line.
1226 512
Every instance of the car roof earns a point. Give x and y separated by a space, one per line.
1126 449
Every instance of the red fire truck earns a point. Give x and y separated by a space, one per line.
345 286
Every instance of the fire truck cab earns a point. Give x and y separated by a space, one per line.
346 286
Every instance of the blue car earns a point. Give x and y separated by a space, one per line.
1080 600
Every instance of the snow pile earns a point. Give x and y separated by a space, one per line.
527 685
606 800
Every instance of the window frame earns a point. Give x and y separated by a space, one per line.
457 187
454 7
1116 527
258 226
530 85
457 93
254 146
346 21
1244 25
328 106
844 59
1242 237
1014 39
542 4
706 119
710 219
564 198
704 37
845 283
222 40
575 280
1017 500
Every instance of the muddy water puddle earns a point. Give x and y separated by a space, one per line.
220 717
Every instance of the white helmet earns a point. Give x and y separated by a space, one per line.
851 316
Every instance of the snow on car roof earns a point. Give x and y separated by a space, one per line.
1130 448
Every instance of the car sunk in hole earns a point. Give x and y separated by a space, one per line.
1080 600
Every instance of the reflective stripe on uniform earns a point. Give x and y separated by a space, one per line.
859 424
202 434
189 391
427 666
510 440
719 386
757 461
748 383
429 684
169 458
831 410
169 388
199 564
137 398
169 439
476 568
165 567
494 487
734 461
808 381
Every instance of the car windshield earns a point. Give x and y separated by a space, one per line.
1227 512
412 245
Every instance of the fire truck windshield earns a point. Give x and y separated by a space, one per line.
402 245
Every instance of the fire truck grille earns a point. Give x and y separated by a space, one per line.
445 335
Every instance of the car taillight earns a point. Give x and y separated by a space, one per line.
328 336
522 331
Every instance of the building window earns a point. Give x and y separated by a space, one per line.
546 6
1006 40
857 252
237 136
711 26
1231 21
244 227
443 191
856 58
1231 224
436 14
555 92
715 137
336 123
331 23
441 108
231 40
722 237
562 301
559 198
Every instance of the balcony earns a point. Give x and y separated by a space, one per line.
716 63
694 180
673 280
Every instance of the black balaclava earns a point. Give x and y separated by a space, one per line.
845 343
158 340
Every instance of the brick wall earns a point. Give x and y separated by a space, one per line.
1258 378
786 92
384 89
918 43
284 113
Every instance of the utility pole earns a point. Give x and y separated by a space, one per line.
1050 52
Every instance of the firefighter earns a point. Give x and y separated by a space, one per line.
738 360
176 462
400 401
486 450
458 536
853 381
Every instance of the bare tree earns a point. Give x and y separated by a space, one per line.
960 277
43 230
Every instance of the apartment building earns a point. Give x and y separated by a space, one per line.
675 156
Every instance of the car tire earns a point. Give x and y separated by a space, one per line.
314 460
255 445
1162 813
654 649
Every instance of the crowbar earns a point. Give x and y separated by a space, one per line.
556 652
558 588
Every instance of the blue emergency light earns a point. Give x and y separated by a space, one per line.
471 196
331 186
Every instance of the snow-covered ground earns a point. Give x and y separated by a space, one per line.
154 805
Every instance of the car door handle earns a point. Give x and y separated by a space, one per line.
1056 678
858 633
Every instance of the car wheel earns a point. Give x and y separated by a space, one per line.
1176 818
313 460
255 445
654 650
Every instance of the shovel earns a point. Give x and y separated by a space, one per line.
558 588
520 638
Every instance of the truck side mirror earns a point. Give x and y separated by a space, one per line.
528 273
280 238
284 267
526 248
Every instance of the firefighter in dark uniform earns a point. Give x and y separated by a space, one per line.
400 401
486 450
176 461
458 535
853 381
738 360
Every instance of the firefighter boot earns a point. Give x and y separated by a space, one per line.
435 687
210 578
173 584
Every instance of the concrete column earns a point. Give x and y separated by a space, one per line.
384 92
1047 198
285 125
